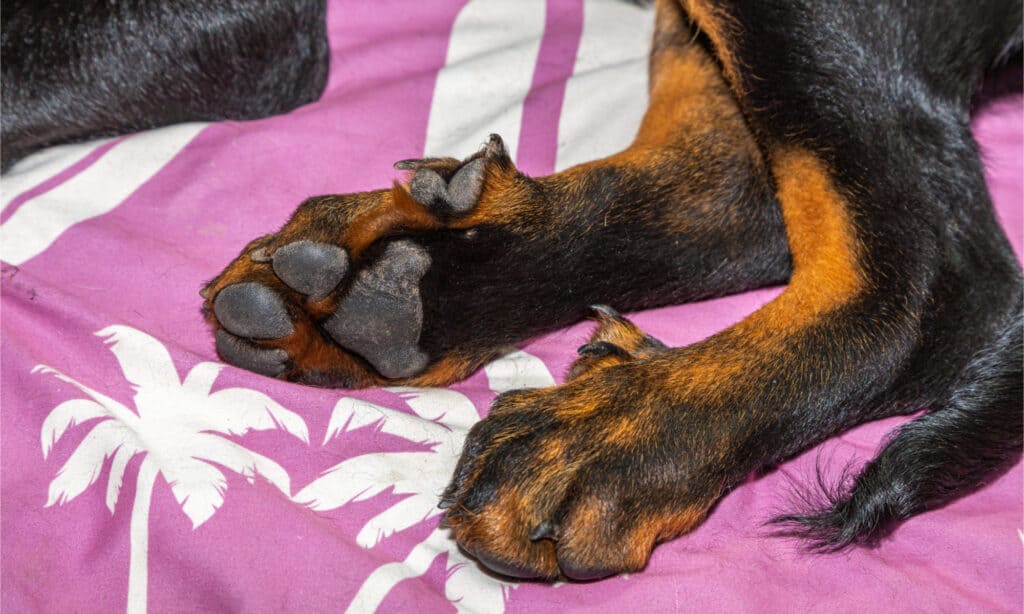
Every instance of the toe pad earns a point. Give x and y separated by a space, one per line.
241 354
311 268
252 310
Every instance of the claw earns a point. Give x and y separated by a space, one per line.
260 255
545 530
602 348
408 164
414 164
495 146
606 311
447 497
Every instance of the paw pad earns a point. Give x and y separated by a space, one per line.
239 353
381 315
458 195
252 310
448 187
314 269
337 290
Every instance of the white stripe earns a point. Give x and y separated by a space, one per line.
40 166
606 97
379 584
95 191
488 72
517 370
138 531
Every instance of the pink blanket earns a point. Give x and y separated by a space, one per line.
139 472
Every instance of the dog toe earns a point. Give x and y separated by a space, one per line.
505 568
429 188
465 187
238 352
252 310
312 268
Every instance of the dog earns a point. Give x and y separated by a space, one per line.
76 70
823 144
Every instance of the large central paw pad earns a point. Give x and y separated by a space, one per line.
334 297
381 315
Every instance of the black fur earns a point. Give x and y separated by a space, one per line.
955 449
80 69
862 111
884 95
555 272
878 94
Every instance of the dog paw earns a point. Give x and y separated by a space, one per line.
335 297
615 341
580 480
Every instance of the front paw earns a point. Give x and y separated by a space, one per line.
580 480
337 296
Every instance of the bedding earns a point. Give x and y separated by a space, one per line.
140 473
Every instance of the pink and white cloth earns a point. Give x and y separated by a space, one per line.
139 473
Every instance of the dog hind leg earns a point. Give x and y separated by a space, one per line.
901 285
956 448
972 316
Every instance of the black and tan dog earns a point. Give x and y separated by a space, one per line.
824 143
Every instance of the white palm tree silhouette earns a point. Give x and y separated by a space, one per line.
443 417
179 426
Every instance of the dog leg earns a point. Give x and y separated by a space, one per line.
904 294
423 283
958 447
80 69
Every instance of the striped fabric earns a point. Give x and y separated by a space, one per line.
138 473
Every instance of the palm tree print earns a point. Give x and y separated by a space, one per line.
181 428
442 419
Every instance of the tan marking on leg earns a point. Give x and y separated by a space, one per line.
722 29
659 529
826 275
822 239
508 198
395 212
624 430
451 368
827 272
688 96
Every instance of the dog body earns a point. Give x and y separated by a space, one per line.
76 70
823 143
